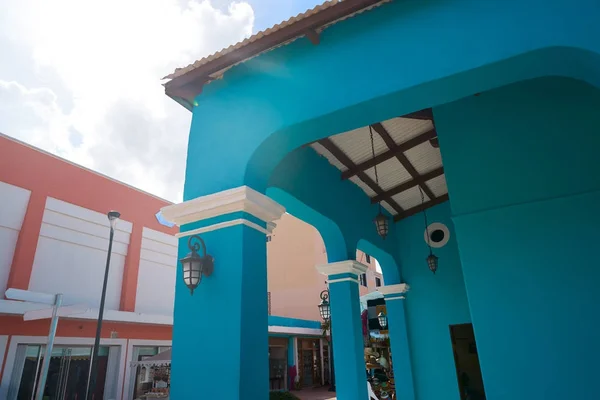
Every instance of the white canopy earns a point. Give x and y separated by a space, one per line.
163 358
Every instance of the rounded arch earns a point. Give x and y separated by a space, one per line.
389 268
335 244
295 129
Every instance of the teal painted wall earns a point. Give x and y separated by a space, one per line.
524 176
402 57
223 326
299 93
433 303
316 190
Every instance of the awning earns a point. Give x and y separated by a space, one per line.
160 359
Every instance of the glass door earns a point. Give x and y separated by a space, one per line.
68 373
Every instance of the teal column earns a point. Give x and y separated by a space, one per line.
348 348
220 333
394 296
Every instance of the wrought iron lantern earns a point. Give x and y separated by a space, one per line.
381 221
195 265
324 307
382 320
432 261
382 224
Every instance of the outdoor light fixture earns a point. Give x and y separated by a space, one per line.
381 221
196 265
382 320
382 224
113 217
432 260
324 307
325 311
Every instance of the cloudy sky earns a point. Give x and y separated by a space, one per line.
81 78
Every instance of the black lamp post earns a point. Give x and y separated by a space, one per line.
325 311
113 217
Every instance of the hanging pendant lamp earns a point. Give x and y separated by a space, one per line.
432 259
382 222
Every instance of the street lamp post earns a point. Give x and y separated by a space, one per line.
325 311
113 216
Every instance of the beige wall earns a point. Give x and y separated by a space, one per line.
292 254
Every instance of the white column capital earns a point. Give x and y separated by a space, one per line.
394 292
351 267
240 199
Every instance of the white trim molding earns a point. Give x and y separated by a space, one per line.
394 292
242 198
12 307
226 224
343 267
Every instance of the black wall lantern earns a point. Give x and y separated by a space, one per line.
195 265
382 320
324 307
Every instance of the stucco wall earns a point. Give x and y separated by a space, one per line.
292 254
433 304
71 255
523 173
156 280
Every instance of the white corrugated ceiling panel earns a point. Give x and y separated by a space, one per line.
389 208
403 129
391 173
409 198
325 153
424 157
438 185
357 144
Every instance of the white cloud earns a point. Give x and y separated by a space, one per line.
110 56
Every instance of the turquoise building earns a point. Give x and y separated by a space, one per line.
490 110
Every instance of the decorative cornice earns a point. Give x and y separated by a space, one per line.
395 291
240 221
342 267
229 201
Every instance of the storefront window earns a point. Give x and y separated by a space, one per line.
67 374
153 379
278 363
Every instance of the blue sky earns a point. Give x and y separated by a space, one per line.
81 78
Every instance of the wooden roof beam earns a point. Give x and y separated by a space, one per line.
408 185
425 114
398 148
389 141
421 207
348 163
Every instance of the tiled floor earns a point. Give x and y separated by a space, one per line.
315 394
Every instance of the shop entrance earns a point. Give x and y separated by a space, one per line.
310 362
67 374
468 371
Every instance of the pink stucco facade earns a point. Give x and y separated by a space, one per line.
294 283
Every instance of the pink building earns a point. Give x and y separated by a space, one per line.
53 239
